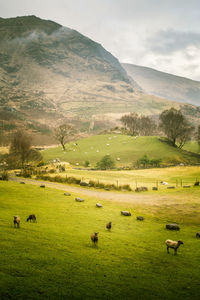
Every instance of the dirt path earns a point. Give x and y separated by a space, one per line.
128 197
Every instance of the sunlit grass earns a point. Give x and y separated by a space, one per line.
54 258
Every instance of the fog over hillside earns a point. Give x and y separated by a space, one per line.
165 85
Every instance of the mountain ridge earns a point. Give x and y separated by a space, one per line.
164 84
50 74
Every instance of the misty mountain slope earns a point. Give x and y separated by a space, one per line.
165 85
50 73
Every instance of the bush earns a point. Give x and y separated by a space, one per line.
4 175
41 163
87 163
61 168
26 173
106 163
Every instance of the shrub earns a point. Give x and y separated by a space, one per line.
4 175
87 163
105 163
41 163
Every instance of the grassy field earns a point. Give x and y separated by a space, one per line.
54 258
127 148
192 147
176 176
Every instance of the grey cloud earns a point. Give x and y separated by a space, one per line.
165 42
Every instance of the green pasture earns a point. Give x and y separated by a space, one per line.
174 176
192 147
126 148
55 259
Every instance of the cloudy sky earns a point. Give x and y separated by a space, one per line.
162 34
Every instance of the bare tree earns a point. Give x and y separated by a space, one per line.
21 149
141 125
146 126
63 133
130 122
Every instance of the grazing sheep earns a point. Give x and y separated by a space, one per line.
22 182
125 213
94 238
16 221
173 244
31 218
172 227
42 186
109 225
140 218
99 205
198 235
164 182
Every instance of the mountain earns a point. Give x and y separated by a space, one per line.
165 85
51 74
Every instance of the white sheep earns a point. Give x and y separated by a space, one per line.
164 183
173 244
16 221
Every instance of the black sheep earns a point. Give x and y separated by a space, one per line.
109 225
94 238
31 218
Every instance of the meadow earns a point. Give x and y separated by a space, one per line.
178 176
126 148
55 259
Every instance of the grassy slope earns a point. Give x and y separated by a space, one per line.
55 259
125 147
192 146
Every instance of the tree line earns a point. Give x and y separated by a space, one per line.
172 123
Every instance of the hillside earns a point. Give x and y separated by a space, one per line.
50 73
165 85
127 148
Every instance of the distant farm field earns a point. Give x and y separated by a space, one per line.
174 176
55 259
125 150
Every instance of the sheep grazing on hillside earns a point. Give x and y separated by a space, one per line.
16 221
198 235
173 244
109 225
31 218
94 238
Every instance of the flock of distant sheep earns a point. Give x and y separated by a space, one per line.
94 237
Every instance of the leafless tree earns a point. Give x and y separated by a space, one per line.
63 133
21 149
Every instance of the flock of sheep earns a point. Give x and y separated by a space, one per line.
94 237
